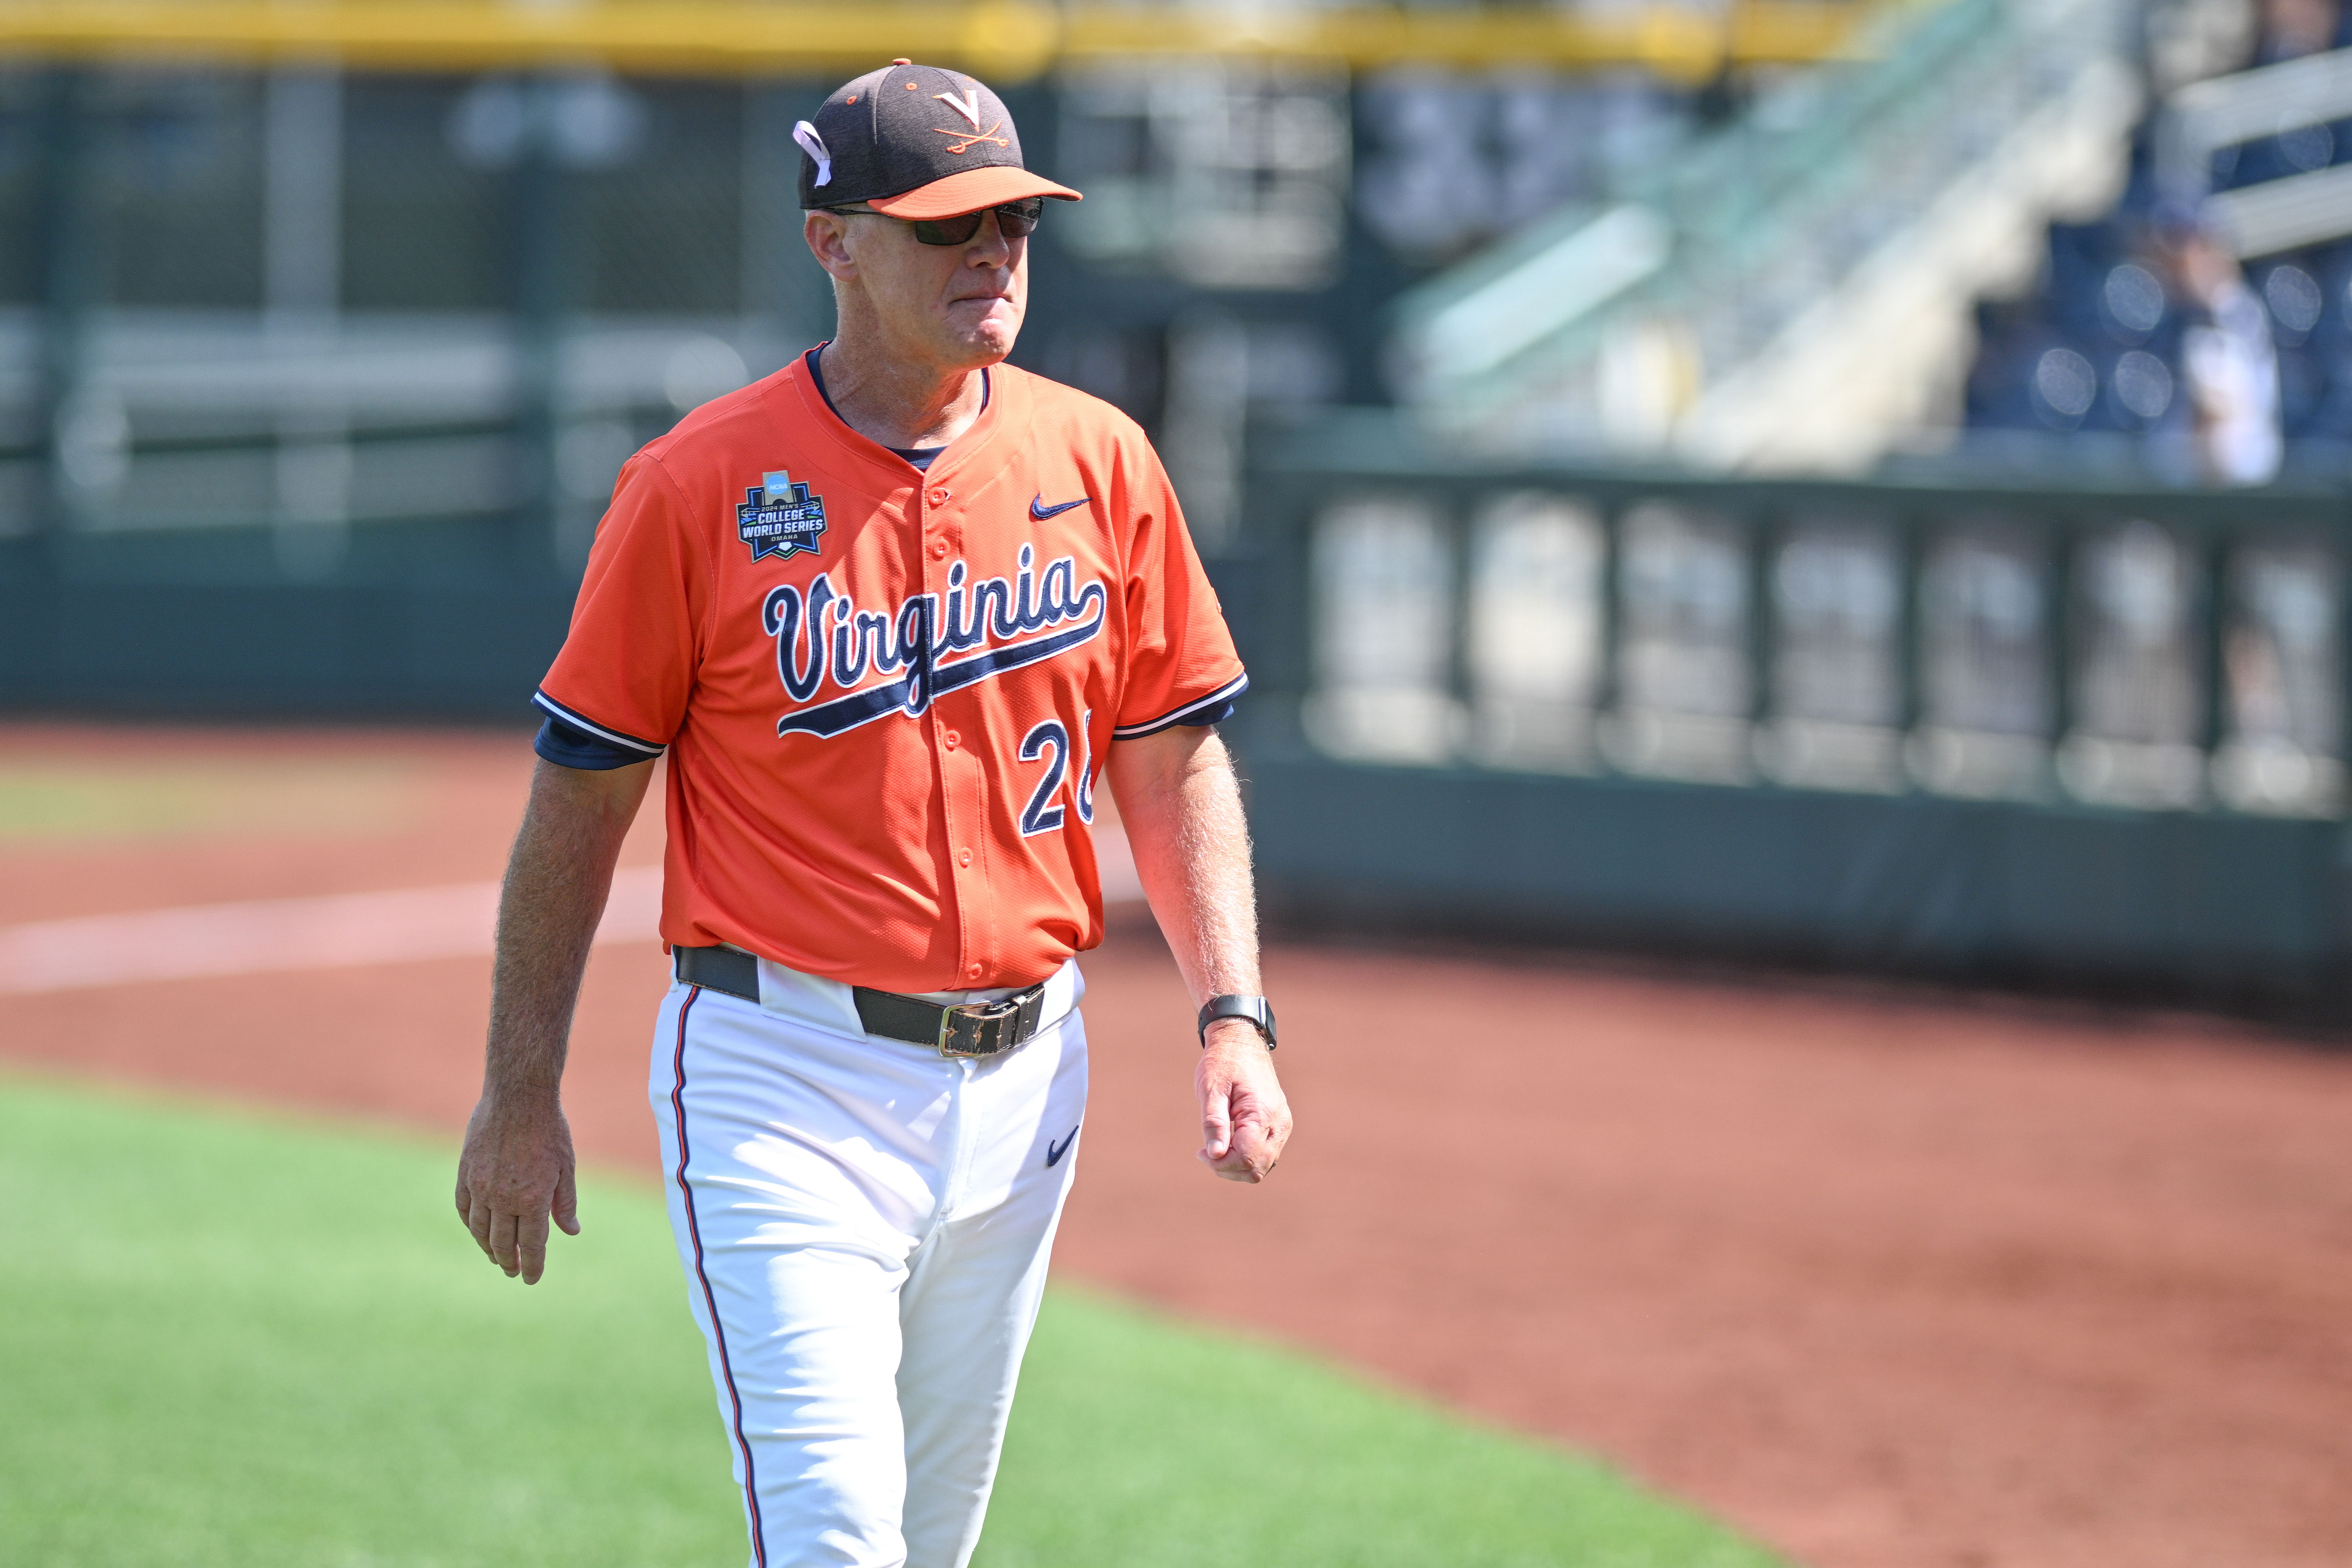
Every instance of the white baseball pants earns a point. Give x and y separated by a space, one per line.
865 1227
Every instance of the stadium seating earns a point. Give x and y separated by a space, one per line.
2096 347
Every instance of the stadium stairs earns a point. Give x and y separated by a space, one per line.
1798 292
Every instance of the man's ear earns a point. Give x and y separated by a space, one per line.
828 240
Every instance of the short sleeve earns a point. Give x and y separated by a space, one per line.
628 662
1180 664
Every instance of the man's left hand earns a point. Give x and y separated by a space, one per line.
1245 1116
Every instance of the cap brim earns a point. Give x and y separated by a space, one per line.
969 190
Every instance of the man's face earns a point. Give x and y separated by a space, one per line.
952 307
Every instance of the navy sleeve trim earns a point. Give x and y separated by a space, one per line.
555 710
569 746
1214 708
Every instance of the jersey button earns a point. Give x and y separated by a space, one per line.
939 550
964 859
939 497
973 972
950 739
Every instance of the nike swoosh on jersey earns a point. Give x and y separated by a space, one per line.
1053 1154
1041 511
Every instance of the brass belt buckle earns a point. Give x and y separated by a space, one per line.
978 1028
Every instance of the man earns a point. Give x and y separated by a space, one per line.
891 613
2229 361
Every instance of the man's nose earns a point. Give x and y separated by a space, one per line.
988 248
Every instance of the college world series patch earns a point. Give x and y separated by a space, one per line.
779 517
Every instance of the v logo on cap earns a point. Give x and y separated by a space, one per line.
968 105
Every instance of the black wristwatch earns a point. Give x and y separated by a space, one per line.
1254 1008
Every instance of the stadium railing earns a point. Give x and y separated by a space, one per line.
2076 737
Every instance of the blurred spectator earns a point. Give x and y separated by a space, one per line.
2228 359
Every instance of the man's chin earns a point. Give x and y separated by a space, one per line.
990 345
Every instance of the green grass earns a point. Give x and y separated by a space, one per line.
229 1341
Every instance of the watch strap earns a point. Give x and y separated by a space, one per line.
1256 1009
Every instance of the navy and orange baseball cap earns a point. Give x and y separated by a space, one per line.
916 142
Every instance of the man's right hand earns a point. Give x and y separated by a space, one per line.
514 1172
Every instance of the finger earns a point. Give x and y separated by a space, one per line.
1229 1167
478 1220
530 1246
1251 1151
1238 1164
567 1202
1216 1121
1277 1134
502 1241
1235 1169
1259 1139
464 1197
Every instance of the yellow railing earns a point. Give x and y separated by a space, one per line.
1010 39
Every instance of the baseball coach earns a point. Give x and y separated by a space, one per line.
892 614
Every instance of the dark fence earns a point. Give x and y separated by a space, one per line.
2092 740
441 619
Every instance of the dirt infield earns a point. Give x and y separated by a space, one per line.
1888 1280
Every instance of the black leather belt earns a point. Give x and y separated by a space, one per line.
974 1030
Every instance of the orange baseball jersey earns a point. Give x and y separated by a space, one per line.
887 693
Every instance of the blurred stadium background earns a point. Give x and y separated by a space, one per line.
1850 483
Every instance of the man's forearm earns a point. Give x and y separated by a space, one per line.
1181 808
556 883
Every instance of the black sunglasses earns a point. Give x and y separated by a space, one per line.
1014 220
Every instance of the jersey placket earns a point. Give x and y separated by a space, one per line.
955 742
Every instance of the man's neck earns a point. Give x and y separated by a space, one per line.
895 404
